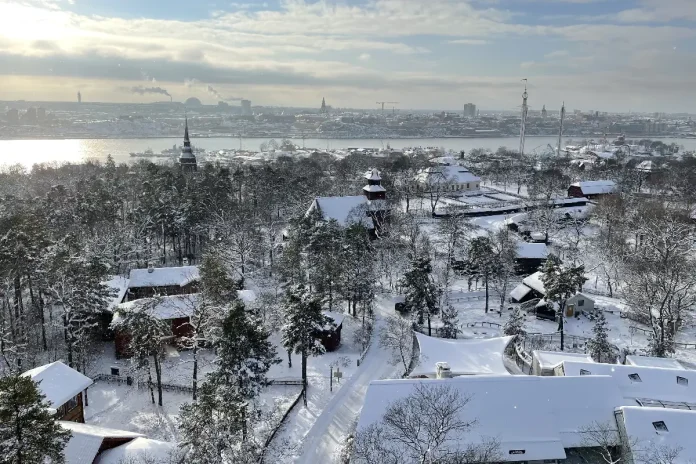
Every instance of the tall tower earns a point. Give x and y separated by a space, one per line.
187 160
374 190
560 133
79 97
323 106
523 125
544 113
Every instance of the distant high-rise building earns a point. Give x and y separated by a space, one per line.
79 97
544 113
187 160
246 107
469 110
13 116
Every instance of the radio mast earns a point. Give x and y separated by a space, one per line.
523 126
560 133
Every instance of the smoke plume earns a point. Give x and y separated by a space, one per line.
140 90
217 95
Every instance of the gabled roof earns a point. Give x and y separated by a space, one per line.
641 425
519 292
163 307
163 276
58 382
534 282
446 174
138 450
345 210
465 357
532 250
86 440
374 188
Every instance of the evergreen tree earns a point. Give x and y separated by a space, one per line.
358 279
148 335
515 323
304 324
325 266
481 261
421 293
599 346
561 282
217 285
448 316
29 433
244 353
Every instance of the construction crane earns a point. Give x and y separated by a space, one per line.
382 103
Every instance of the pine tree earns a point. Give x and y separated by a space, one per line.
449 319
421 293
217 286
599 346
561 282
481 261
515 323
303 325
244 353
324 253
28 432
148 335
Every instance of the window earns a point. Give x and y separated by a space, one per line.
71 404
581 303
660 426
467 186
682 381
634 377
585 372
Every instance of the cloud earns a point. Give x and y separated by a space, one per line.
468 41
364 57
557 54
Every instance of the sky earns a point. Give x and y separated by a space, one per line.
605 55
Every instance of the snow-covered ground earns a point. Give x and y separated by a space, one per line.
320 429
129 408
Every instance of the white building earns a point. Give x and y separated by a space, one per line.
447 178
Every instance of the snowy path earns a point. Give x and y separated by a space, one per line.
327 435
329 432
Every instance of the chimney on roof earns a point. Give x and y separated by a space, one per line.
185 261
443 370
150 267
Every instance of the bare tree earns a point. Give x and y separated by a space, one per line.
426 426
602 442
397 336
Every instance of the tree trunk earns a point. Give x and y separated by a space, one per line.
304 376
43 322
289 359
158 373
195 368
486 281
429 328
149 382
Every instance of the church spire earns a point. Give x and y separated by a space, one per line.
187 160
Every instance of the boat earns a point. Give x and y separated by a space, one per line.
145 154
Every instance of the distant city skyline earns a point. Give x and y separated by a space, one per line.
606 55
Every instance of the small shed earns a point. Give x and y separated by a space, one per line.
531 288
331 334
544 363
145 283
88 441
530 257
592 189
579 303
62 386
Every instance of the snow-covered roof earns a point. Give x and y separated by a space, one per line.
137 450
163 276
374 188
86 440
446 174
644 383
344 210
649 361
373 174
534 282
247 296
163 308
119 285
337 317
519 292
540 415
58 382
465 357
551 359
596 187
532 250
641 425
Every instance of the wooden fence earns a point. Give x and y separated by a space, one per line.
280 424
649 333
140 384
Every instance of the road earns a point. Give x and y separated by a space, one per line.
328 434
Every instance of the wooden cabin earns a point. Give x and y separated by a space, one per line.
331 335
62 386
162 281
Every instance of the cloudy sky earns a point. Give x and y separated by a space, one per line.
610 55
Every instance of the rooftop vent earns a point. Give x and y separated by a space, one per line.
660 426
443 370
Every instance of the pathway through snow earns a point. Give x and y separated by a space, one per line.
327 435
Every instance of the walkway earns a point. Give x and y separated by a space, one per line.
327 436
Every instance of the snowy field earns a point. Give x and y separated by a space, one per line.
130 408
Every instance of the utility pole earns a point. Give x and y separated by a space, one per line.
560 134
523 126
